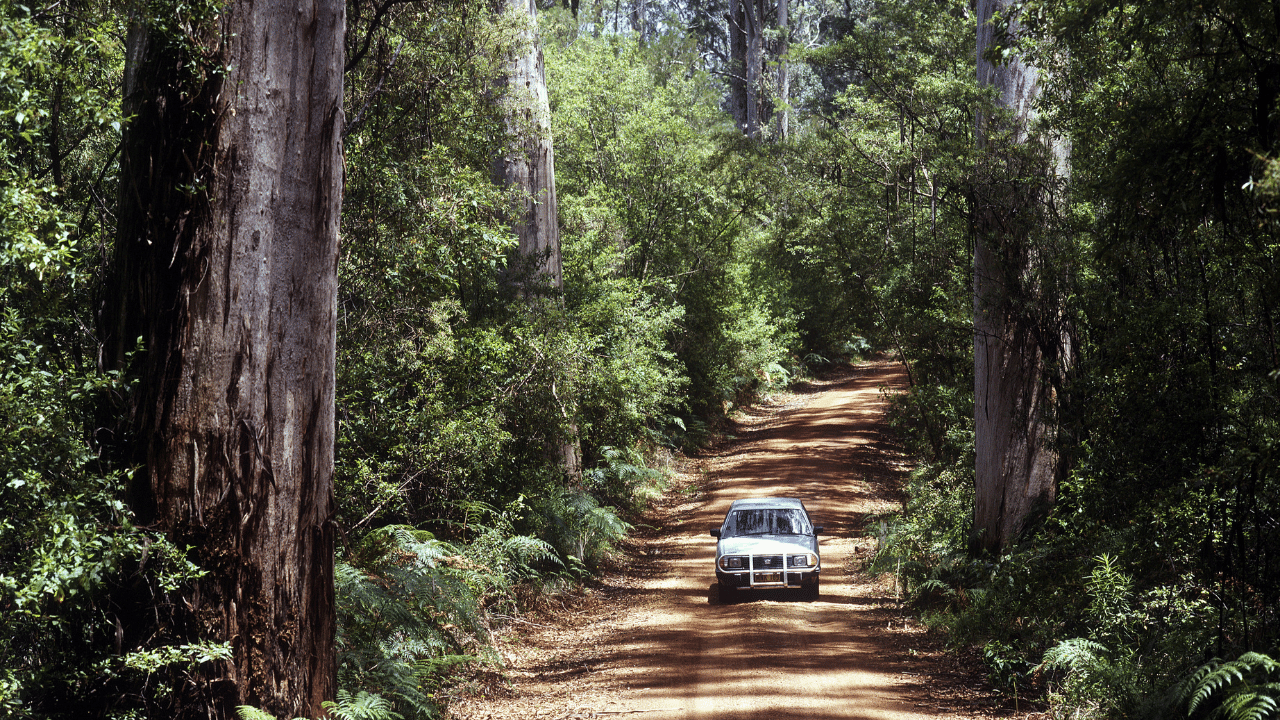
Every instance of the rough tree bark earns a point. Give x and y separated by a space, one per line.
737 67
784 76
225 266
1017 345
530 168
754 15
745 72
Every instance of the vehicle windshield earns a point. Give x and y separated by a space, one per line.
767 522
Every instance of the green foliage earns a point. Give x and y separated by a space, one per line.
1094 682
1076 654
1158 551
66 537
361 706
922 545
577 525
1005 668
624 478
648 200
1247 688
627 377
410 612
419 403
1110 599
52 98
454 394
451 389
874 210
153 659
698 268
1269 184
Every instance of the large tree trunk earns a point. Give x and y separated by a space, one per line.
225 268
745 71
1018 338
640 24
783 112
755 63
530 168
737 68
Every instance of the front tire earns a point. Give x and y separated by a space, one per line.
728 594
809 593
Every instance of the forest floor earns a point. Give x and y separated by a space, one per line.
651 639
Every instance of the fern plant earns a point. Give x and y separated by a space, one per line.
1247 688
1093 676
412 609
406 613
361 706
496 557
577 526
624 479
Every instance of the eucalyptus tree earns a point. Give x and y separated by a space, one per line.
529 165
529 168
1022 345
782 114
758 33
221 303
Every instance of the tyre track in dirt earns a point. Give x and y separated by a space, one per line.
654 641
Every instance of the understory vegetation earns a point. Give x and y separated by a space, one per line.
701 269
1149 589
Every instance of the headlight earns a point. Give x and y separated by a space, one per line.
807 560
733 562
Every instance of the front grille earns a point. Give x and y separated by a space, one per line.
768 562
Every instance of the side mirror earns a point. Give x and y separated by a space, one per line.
817 530
715 533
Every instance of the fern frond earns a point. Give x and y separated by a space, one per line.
430 667
1248 706
405 602
934 589
527 550
1247 688
1074 655
363 706
1221 677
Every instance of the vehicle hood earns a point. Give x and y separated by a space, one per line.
767 545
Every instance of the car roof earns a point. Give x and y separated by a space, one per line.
765 503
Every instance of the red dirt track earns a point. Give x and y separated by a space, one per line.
656 643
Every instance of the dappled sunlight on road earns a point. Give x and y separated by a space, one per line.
659 644
771 656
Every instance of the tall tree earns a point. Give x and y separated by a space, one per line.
529 168
783 113
753 14
225 275
746 63
1019 338
736 68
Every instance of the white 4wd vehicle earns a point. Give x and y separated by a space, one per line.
767 543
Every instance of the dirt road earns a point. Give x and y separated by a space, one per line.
655 642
